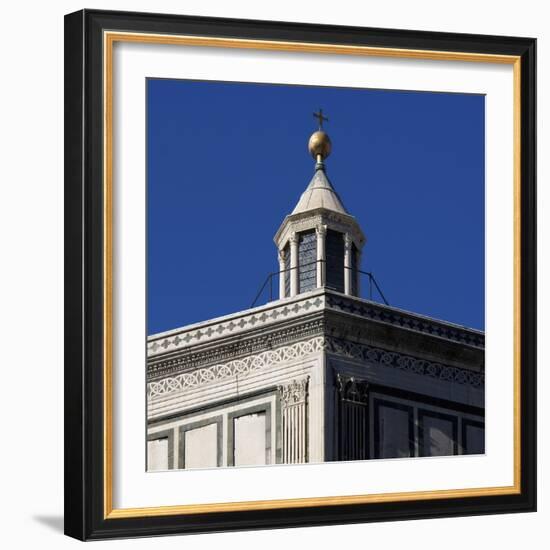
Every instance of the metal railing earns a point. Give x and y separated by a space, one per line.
268 283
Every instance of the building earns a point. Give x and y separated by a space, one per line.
320 374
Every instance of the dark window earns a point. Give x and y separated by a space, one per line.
437 434
307 261
473 437
393 430
335 260
286 252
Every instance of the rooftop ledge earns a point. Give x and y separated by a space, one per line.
308 302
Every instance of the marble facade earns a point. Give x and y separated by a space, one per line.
320 374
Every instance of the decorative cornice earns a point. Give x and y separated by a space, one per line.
384 314
209 333
299 350
192 359
298 223
235 324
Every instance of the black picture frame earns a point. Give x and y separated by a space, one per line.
85 494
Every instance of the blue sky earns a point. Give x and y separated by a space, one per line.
227 161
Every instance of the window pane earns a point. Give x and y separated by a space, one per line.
437 436
394 432
157 454
307 256
475 440
250 439
201 447
335 260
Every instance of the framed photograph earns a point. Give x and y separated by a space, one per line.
300 274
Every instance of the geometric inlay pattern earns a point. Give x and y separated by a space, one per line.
234 325
343 348
243 367
404 362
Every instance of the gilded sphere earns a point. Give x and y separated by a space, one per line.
319 144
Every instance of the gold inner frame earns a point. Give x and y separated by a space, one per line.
109 39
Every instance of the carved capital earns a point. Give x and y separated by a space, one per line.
293 238
295 392
347 241
321 230
351 389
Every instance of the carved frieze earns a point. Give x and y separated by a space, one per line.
341 348
241 367
415 365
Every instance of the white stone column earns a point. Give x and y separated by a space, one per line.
357 275
352 417
282 274
294 421
293 264
347 264
321 231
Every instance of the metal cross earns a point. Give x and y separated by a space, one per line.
321 118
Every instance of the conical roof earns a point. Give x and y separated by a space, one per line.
319 194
